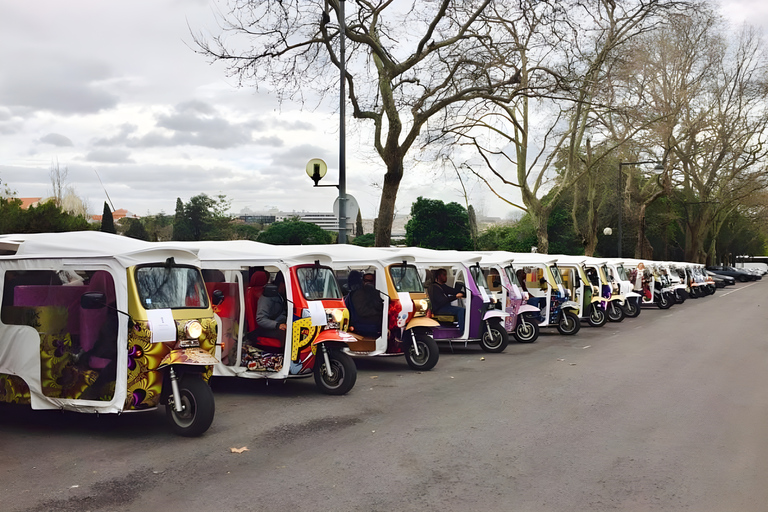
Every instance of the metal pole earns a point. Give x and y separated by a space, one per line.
342 143
621 207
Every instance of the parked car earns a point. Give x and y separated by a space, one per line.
737 274
721 281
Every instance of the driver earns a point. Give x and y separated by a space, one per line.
442 295
272 312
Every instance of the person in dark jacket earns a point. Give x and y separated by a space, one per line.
272 312
366 305
442 295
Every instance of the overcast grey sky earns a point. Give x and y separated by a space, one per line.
113 87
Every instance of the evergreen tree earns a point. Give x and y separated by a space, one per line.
107 222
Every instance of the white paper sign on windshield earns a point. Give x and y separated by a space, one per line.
162 326
405 301
317 312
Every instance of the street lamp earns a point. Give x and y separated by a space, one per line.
658 167
317 176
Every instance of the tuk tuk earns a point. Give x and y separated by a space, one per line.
482 319
540 277
506 289
100 323
592 306
313 337
401 326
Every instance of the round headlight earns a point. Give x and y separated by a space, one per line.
193 329
338 315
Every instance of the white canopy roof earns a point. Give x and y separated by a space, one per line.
93 245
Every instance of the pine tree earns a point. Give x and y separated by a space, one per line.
107 222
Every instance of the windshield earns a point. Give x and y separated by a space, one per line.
512 276
478 276
406 279
622 273
163 287
556 273
318 283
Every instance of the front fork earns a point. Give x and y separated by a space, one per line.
415 345
327 359
177 406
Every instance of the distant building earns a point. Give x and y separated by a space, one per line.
26 202
117 215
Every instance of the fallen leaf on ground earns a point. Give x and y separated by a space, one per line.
587 346
239 450
374 376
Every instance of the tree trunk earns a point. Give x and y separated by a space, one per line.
540 221
383 227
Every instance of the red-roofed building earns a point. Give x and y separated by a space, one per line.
117 215
26 202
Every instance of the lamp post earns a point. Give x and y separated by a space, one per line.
659 167
316 168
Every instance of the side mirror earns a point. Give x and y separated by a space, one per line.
218 297
93 300
270 290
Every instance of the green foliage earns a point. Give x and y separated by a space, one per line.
521 235
202 218
246 232
159 227
136 229
44 218
366 240
107 221
295 232
436 225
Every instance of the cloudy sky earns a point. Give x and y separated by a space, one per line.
112 90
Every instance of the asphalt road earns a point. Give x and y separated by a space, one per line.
667 412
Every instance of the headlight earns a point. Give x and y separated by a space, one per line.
193 330
337 315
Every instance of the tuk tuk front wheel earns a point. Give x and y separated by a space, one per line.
631 307
597 316
342 376
428 354
569 323
198 407
665 301
494 338
526 330
615 312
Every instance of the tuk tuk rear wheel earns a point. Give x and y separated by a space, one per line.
343 369
198 408
526 330
495 341
428 353
615 313
569 323
597 316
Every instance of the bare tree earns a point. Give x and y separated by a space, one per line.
711 94
58 182
536 145
408 63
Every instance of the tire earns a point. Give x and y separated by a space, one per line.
428 353
199 407
680 296
743 279
569 323
526 330
631 308
344 372
665 301
615 311
495 342
597 316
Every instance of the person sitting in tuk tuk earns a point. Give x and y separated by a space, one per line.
441 295
365 304
272 312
